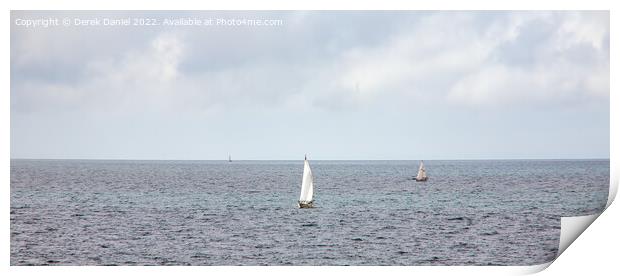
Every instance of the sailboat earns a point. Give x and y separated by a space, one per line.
307 187
229 159
421 173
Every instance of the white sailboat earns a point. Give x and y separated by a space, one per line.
307 187
229 159
421 173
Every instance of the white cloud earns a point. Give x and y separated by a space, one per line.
453 58
133 80
469 58
580 27
555 74
460 58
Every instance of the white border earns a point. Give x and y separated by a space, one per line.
584 260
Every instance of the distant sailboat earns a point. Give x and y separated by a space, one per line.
229 159
307 187
421 173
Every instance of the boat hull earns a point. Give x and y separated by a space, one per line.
305 204
423 179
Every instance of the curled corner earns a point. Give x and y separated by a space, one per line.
571 228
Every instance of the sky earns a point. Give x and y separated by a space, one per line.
336 85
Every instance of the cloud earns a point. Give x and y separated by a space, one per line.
471 59
553 58
133 79
537 58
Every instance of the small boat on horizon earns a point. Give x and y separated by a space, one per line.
421 177
307 187
229 159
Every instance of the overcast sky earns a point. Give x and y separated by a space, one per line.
334 85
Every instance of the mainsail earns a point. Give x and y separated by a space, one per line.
421 172
306 185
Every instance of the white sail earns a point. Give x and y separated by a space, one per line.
306 184
421 171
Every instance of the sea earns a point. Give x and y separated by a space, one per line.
214 213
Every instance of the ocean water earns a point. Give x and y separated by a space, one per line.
497 212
